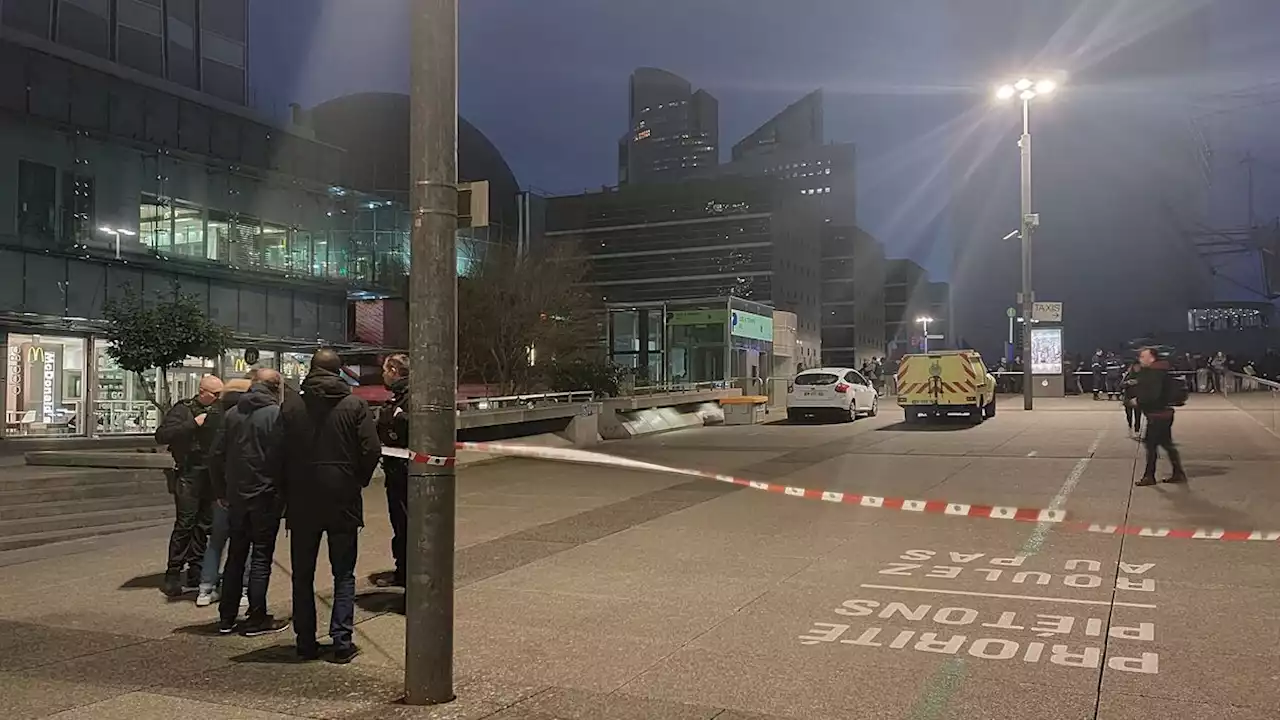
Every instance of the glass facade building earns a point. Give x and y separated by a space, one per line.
713 340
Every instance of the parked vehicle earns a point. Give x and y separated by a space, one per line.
947 382
831 392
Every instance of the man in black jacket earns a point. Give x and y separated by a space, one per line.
247 469
326 498
189 438
393 431
1153 394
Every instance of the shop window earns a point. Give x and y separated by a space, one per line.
299 254
155 224
234 364
77 209
37 202
45 389
120 404
188 230
273 246
294 367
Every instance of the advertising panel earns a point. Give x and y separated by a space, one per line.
1046 351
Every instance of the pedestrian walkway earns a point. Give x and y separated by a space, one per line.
600 593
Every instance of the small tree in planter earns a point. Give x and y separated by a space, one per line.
160 336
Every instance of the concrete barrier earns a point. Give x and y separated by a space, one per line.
100 459
627 417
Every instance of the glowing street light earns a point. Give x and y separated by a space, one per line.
1026 90
925 320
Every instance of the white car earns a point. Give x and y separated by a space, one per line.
833 392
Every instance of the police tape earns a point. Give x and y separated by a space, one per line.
1059 518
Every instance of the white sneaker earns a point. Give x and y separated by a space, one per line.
207 598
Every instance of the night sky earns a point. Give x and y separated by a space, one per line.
546 80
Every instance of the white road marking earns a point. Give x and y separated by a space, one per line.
1003 596
1037 537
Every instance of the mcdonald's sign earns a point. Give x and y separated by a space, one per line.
35 354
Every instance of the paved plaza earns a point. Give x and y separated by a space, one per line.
597 593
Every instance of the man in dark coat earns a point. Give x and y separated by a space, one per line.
325 498
393 431
189 438
1153 394
247 469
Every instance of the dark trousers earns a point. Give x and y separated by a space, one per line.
398 508
304 548
1133 417
1160 435
193 518
254 525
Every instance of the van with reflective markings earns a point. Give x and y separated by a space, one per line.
947 382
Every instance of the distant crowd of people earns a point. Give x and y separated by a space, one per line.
251 452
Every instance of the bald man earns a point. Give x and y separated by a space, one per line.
247 468
189 438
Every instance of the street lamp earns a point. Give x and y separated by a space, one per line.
116 233
925 320
1026 90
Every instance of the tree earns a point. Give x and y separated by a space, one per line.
160 336
518 313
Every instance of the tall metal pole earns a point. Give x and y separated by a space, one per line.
433 337
1024 143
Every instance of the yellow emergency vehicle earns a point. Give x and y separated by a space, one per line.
946 382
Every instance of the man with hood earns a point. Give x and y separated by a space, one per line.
247 469
326 498
1155 394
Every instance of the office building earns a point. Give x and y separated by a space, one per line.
906 298
111 177
790 149
673 131
798 126
750 239
198 44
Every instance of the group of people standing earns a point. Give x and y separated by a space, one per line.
253 452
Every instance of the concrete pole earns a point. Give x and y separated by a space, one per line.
433 337
1028 300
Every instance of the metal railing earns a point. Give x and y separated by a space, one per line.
526 401
673 388
1258 398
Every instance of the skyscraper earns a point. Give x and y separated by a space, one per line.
674 131
798 126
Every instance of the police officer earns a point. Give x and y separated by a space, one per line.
189 438
393 431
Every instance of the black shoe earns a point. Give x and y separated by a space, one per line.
392 580
265 625
172 587
343 655
308 652
1145 481
1179 477
226 627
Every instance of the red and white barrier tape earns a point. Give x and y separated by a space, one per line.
937 507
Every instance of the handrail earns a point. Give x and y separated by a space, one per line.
1261 381
489 403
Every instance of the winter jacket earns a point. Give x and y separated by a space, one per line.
393 429
247 459
1154 390
338 458
189 442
